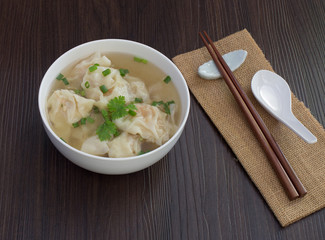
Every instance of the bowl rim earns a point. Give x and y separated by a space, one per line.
101 158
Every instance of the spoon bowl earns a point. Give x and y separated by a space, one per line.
274 94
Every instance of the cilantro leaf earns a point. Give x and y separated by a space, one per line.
118 108
138 100
106 131
105 115
131 107
165 105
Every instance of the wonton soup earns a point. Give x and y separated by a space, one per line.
113 105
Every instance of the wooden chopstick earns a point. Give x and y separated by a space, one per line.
287 167
292 175
286 174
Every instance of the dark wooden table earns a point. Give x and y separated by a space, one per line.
199 190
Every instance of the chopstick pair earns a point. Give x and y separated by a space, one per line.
284 171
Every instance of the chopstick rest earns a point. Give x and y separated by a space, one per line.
233 59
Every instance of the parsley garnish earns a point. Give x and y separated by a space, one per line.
155 103
83 121
106 131
165 105
118 108
138 100
90 120
105 115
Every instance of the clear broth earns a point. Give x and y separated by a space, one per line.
149 73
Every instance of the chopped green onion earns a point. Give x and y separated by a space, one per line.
132 113
171 102
83 121
138 100
167 79
80 92
63 139
87 84
103 88
93 67
106 72
65 81
123 72
60 76
76 124
141 60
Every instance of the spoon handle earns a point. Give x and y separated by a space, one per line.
295 125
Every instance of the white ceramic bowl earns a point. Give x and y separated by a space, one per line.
106 165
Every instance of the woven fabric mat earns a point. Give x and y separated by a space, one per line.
308 160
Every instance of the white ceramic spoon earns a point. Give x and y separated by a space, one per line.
274 94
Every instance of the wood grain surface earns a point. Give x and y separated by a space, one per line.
197 191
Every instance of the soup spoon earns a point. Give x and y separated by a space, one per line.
274 94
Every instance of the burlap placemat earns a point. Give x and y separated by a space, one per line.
308 160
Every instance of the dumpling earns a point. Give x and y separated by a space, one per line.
68 105
120 87
125 145
139 88
172 116
115 84
94 146
65 107
150 123
96 79
77 73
